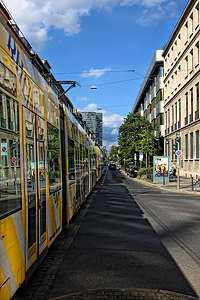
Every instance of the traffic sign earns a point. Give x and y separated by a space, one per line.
178 152
141 157
14 159
4 149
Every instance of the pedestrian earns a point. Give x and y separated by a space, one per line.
174 169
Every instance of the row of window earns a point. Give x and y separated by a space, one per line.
174 117
182 72
187 32
191 146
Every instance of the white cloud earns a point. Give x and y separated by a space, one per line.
82 99
114 131
35 18
94 72
112 121
91 107
151 16
148 3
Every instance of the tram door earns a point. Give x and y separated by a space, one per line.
35 186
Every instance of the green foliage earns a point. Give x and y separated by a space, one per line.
113 154
53 142
143 171
136 135
150 170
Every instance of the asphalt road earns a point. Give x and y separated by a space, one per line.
176 219
127 236
116 247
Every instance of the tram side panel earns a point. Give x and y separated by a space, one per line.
12 205
31 202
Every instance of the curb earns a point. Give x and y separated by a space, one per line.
160 187
123 294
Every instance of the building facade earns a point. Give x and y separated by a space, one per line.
181 91
150 101
95 122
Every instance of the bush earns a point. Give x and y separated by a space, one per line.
150 170
142 171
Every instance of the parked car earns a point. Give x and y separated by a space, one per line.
127 169
132 171
112 166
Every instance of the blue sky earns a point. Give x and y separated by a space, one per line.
97 42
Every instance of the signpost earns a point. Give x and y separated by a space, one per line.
178 153
135 157
141 159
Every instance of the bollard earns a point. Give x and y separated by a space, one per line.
192 184
163 179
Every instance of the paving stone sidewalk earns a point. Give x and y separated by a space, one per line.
125 294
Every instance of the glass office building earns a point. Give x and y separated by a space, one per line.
95 122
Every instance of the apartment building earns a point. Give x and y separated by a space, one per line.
181 91
150 99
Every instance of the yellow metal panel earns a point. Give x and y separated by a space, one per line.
44 240
8 61
43 105
4 291
33 252
53 114
71 199
60 208
13 249
52 213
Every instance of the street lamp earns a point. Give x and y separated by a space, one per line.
93 87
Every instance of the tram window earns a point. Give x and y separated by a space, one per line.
92 159
77 166
81 160
42 181
86 160
10 179
71 164
53 158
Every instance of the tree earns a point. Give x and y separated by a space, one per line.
113 154
136 135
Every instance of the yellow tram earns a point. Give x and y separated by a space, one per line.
46 170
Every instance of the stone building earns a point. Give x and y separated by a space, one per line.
181 91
